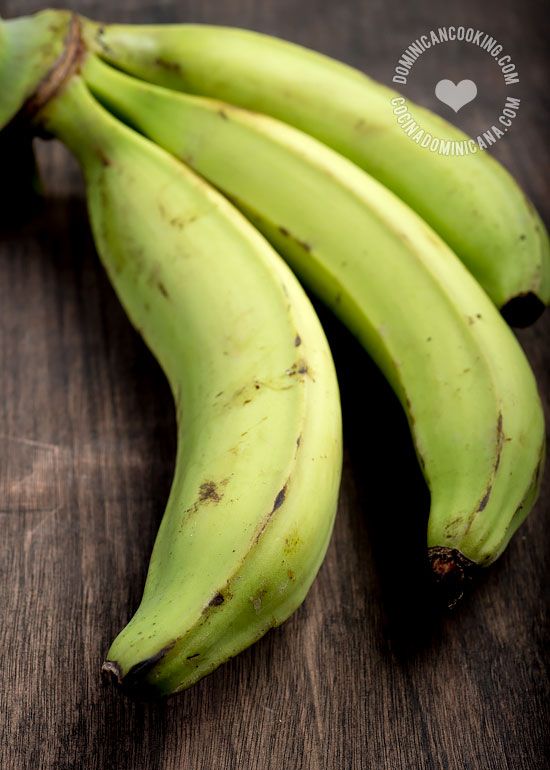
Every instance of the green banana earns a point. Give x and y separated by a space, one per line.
461 376
259 436
29 48
471 201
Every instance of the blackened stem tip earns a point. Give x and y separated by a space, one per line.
452 572
523 310
111 672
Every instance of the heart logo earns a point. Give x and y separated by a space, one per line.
456 95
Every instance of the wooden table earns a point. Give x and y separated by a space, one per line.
365 675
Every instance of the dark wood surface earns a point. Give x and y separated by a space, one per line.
365 674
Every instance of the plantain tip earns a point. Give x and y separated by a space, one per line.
135 682
523 310
452 572
111 672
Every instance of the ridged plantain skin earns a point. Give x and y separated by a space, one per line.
463 380
258 465
471 201
29 48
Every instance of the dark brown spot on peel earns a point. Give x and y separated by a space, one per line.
208 492
279 500
103 157
168 65
300 367
292 542
297 341
162 288
452 526
258 598
485 499
194 655
216 601
500 441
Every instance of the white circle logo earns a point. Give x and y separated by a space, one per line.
455 95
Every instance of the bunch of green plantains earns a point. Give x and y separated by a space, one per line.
211 157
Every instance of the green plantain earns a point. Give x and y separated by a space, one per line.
471 200
258 465
461 376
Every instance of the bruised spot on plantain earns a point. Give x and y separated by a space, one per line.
279 500
485 499
168 66
500 441
216 601
163 290
300 367
292 543
452 527
209 492
103 157
258 598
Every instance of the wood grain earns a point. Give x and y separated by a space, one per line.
365 675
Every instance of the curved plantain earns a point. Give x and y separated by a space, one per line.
461 376
257 472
